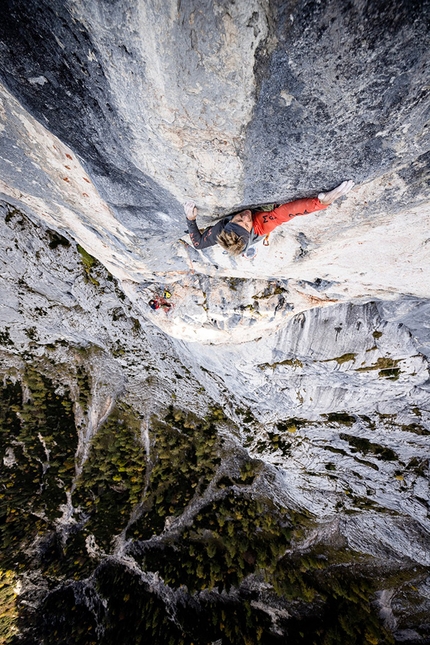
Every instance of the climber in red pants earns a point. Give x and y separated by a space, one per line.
235 233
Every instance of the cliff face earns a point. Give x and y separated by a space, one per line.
229 103
139 105
257 457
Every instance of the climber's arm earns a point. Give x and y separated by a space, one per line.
208 237
190 210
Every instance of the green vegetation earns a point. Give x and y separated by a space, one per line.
138 616
113 477
230 530
55 239
235 283
90 265
345 358
387 368
247 416
271 289
340 417
365 446
5 338
419 466
84 385
38 441
290 362
31 332
229 539
343 595
391 374
291 425
184 460
8 608
279 439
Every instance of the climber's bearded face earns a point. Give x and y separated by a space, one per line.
243 219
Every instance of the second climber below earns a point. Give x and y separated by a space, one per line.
235 233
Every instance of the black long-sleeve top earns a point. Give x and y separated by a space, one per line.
208 237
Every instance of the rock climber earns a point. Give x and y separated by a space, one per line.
235 233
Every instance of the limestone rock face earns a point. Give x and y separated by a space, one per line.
122 110
327 420
277 413
226 102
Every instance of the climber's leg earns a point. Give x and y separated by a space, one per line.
264 222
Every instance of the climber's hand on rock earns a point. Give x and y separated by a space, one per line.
190 210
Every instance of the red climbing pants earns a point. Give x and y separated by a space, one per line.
265 222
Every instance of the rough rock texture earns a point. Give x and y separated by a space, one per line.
231 104
288 395
329 429
210 98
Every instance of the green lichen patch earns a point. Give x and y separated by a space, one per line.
291 425
37 443
363 445
340 417
90 265
387 367
345 358
377 334
290 362
416 428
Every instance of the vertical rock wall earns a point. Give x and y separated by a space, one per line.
226 102
343 92
310 445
